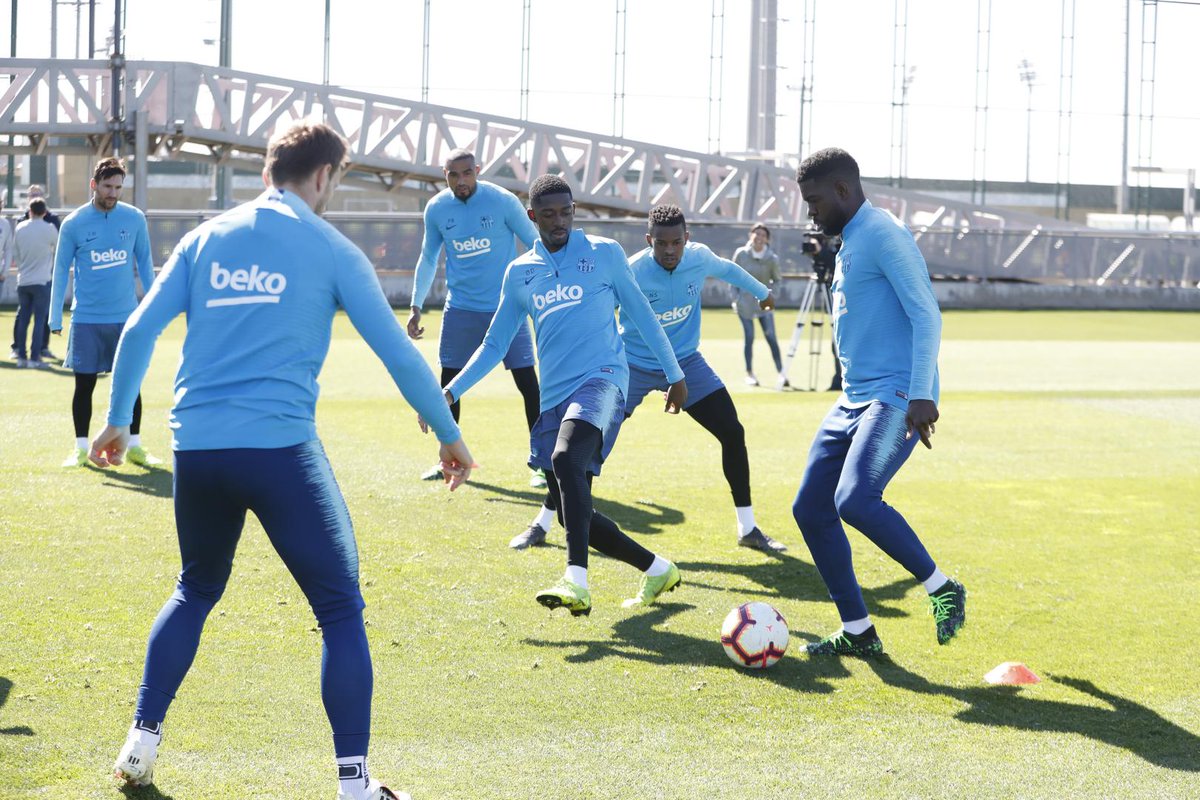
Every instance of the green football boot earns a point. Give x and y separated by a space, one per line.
78 458
863 645
654 586
949 607
142 457
568 595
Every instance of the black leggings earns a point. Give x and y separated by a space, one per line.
717 415
81 406
570 486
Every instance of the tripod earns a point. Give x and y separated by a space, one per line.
815 308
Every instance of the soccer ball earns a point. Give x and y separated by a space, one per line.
754 635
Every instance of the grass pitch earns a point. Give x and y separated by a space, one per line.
1063 489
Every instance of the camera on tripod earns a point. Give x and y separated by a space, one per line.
822 250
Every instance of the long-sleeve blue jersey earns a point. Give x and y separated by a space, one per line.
886 320
572 296
675 297
260 285
99 245
477 235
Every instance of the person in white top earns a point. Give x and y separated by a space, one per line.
33 249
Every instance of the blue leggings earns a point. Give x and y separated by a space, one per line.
855 454
293 493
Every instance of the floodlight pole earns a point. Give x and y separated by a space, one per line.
1028 76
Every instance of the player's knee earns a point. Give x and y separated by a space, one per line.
563 463
855 505
204 593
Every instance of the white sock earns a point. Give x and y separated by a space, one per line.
659 567
934 581
81 443
745 518
545 518
857 626
353 777
145 733
135 440
577 576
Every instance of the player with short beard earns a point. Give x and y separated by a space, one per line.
96 242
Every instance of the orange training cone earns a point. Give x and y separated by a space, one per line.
1011 673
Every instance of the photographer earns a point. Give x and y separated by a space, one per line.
757 258
823 252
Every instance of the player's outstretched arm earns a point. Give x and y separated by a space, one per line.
109 446
501 330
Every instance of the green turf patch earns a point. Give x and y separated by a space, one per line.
1062 489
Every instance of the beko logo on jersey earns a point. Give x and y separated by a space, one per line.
557 299
674 316
112 257
469 248
267 285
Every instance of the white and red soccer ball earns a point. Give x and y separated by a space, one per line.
754 635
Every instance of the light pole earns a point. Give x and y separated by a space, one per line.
909 77
1028 76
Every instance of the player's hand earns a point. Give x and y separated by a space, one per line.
415 331
676 397
920 418
109 446
421 420
457 463
768 302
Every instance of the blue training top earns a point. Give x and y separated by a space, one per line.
572 296
886 321
675 297
260 285
477 235
99 244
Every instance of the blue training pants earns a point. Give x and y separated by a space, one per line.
855 454
293 493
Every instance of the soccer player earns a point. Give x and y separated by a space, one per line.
887 327
98 239
260 285
570 284
474 222
757 258
671 274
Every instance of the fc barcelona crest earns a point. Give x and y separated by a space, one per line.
124 235
486 221
586 264
693 289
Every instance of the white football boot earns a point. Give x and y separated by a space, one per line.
377 791
135 764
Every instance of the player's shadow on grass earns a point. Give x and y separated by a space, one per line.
21 730
785 577
152 481
150 792
641 518
1119 722
645 636
54 369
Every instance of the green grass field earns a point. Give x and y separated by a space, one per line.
1063 489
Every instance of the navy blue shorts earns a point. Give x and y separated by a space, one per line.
293 493
597 402
92 346
462 333
701 382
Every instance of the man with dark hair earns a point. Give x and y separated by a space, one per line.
260 285
475 223
570 284
37 192
99 240
33 248
887 327
671 274
757 258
